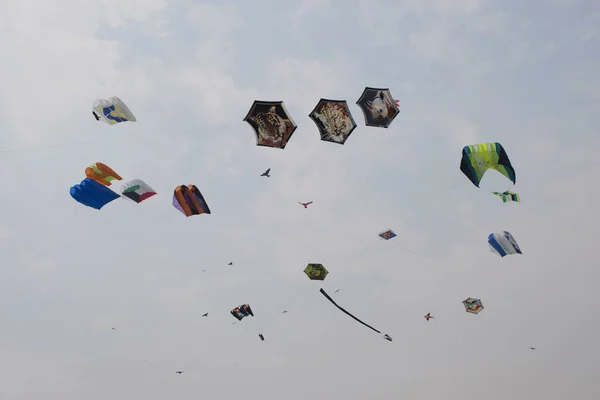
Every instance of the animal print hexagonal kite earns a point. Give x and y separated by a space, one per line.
272 124
334 120
378 107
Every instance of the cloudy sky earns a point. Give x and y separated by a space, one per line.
524 74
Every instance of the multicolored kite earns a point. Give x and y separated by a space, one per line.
478 158
503 244
334 120
112 111
189 201
102 173
387 235
508 195
271 123
472 305
242 311
378 107
137 190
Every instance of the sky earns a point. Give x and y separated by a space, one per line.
524 74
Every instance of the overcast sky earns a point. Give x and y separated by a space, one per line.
522 73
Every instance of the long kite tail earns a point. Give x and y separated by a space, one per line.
346 312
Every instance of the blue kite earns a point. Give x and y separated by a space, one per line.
92 194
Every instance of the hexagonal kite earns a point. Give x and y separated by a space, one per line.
472 305
316 272
334 120
272 124
378 107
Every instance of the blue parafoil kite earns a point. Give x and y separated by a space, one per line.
93 194
503 244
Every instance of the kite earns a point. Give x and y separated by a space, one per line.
137 190
272 124
189 201
473 306
428 316
378 107
334 120
387 235
347 313
305 204
503 244
112 111
266 173
92 194
260 335
478 158
508 195
316 272
102 173
387 337
242 311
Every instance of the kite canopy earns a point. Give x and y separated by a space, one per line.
189 201
271 123
387 235
92 194
503 244
508 196
478 158
472 305
102 173
316 272
378 107
137 190
112 111
334 120
242 311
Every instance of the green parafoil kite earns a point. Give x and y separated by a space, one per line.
478 158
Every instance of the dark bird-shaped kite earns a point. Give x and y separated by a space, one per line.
305 204
113 329
205 315
266 173
337 290
428 316
284 312
231 263
179 372
532 348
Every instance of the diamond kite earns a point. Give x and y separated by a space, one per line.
102 173
189 201
92 194
271 122
508 195
378 107
503 244
334 120
316 272
473 306
242 311
137 190
478 158
112 111
387 235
